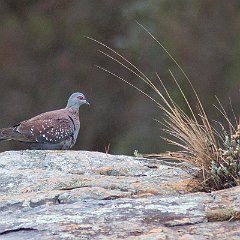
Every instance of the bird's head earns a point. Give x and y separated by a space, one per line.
76 100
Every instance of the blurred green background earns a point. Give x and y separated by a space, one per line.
44 57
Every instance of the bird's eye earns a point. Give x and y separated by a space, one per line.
80 97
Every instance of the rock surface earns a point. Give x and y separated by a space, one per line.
90 195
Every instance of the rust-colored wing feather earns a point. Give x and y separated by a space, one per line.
45 128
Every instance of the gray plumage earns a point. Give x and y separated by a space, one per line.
51 130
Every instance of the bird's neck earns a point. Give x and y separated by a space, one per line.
73 110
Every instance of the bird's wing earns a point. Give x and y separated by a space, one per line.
42 130
47 130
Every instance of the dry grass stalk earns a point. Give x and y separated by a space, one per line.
215 155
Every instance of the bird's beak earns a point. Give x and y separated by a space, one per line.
87 102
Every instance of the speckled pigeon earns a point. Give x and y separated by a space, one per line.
50 130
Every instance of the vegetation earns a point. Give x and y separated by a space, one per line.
214 151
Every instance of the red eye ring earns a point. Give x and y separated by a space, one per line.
80 97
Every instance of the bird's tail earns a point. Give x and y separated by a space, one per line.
6 133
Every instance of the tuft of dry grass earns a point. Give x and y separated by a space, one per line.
215 152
